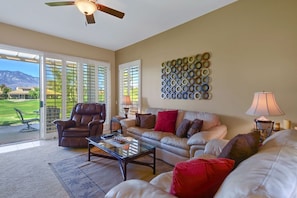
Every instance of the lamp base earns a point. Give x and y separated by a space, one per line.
261 118
265 128
126 110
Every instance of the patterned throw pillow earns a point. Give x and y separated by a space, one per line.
241 147
138 115
147 121
183 128
195 127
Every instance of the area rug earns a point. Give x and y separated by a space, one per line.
82 178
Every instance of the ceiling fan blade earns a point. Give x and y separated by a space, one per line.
60 3
110 11
90 19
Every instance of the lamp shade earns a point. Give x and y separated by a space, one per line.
126 100
264 104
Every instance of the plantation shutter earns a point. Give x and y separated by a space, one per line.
53 72
130 84
89 83
102 84
71 86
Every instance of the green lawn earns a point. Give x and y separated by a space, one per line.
8 115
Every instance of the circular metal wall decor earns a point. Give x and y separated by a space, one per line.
187 78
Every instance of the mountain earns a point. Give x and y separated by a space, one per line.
13 79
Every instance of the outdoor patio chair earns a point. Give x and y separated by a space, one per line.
28 122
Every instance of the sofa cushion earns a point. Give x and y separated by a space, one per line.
175 141
199 177
166 121
241 147
183 128
209 119
156 135
147 121
195 127
137 117
138 130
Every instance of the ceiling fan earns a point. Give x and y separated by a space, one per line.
88 7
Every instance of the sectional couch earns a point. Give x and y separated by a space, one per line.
170 146
271 172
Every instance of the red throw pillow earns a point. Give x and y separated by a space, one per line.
166 121
199 177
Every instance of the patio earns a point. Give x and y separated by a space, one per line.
15 134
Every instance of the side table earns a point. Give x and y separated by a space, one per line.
115 125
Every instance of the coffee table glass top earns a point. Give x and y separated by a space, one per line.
122 147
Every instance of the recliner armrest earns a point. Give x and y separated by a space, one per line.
64 123
202 137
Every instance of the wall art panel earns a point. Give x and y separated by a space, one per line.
186 78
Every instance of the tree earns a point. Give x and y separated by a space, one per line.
34 93
5 91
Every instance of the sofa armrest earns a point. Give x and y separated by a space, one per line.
217 132
126 123
215 146
137 188
163 181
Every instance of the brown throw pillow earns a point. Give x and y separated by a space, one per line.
241 147
183 128
195 127
147 121
138 115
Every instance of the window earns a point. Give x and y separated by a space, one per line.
130 84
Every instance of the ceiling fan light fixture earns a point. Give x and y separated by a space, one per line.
87 7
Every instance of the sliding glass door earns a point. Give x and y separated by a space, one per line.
19 95
68 81
49 92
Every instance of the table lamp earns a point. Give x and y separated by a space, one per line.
126 101
264 104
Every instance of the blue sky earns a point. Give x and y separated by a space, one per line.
25 67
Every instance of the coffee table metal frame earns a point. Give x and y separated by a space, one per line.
123 160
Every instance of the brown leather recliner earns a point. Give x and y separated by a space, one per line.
86 120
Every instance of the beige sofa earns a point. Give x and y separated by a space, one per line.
271 172
171 148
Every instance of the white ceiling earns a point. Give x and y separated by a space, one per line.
143 19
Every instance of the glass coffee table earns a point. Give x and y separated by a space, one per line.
124 149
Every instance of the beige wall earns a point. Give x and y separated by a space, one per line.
19 37
253 45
